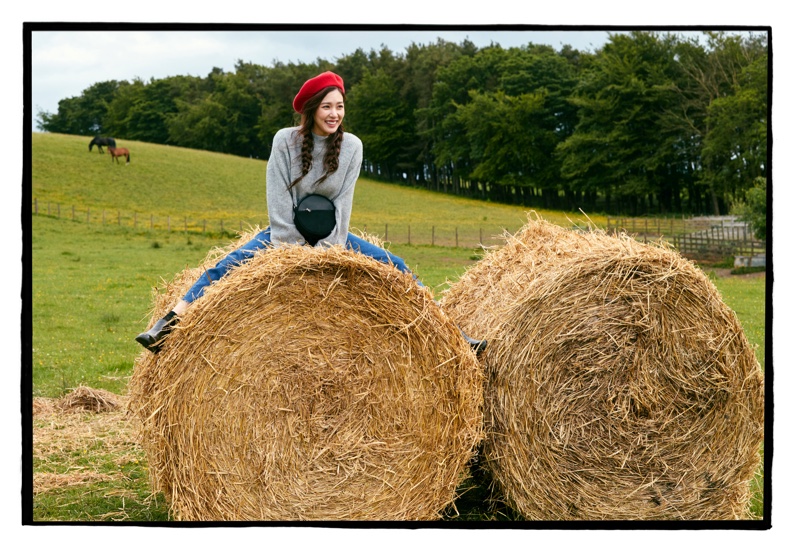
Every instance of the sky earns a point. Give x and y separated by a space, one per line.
64 63
63 66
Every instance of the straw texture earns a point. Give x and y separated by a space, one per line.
84 398
620 386
308 384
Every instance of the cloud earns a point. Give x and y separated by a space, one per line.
65 63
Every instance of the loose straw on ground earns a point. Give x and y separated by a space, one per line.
308 384
620 386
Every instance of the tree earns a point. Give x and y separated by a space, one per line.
537 71
440 64
711 70
142 111
621 146
735 147
504 139
499 115
419 73
200 125
352 67
383 122
240 97
84 114
279 88
753 210
465 75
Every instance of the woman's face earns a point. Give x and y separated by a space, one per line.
329 114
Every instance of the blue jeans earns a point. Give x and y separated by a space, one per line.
263 240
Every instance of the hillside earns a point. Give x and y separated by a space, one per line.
191 186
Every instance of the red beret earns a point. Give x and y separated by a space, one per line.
312 86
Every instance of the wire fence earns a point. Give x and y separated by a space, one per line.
412 234
698 237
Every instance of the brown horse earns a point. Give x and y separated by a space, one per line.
119 152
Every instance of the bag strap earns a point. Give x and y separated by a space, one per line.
291 195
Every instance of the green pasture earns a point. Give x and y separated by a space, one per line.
194 185
92 284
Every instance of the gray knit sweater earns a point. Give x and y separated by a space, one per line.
285 165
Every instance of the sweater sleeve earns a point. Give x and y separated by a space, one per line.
280 205
343 200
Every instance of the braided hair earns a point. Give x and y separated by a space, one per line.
333 141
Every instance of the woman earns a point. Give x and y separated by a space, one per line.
316 158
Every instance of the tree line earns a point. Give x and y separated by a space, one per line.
652 122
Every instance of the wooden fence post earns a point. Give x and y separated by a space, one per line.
409 235
433 235
456 237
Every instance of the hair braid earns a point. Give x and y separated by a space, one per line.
331 160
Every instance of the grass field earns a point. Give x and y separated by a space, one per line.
191 186
92 289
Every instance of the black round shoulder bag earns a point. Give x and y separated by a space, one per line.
315 217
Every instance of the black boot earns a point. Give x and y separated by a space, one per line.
153 338
477 345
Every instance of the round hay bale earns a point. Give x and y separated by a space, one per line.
620 386
308 384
